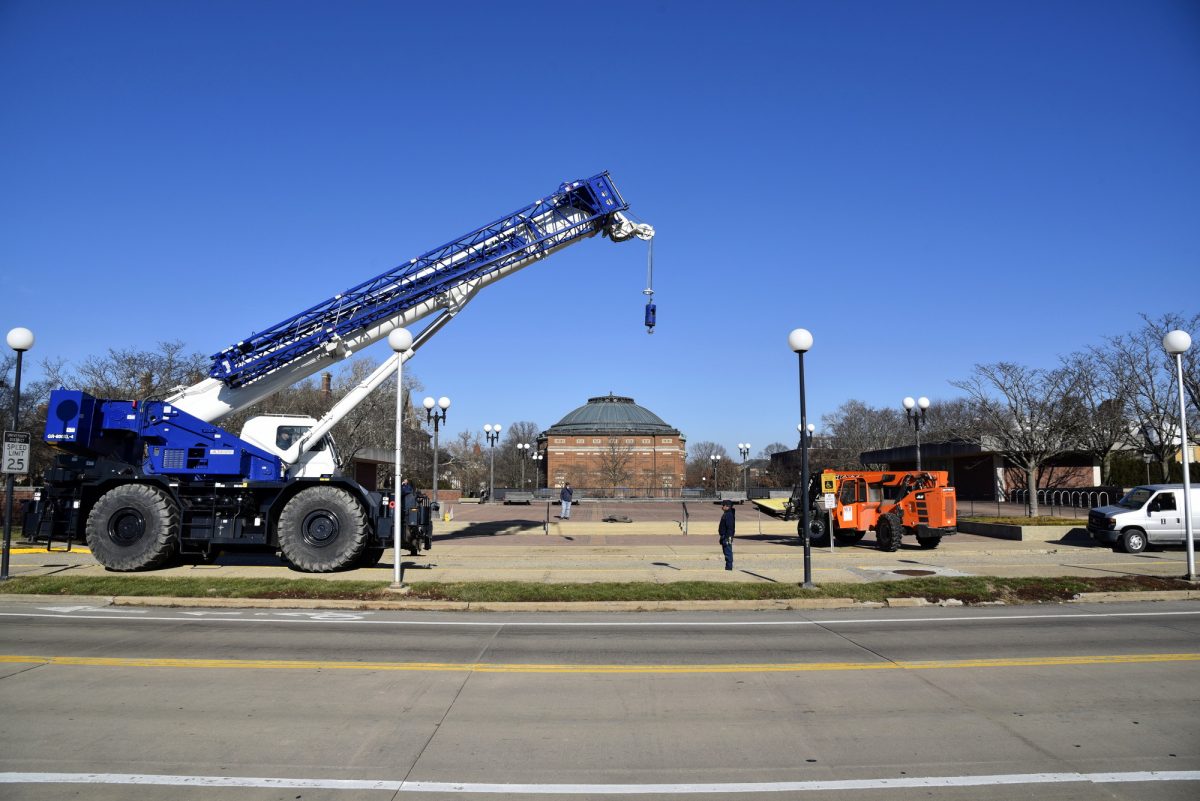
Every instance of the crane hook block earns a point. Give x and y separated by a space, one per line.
651 314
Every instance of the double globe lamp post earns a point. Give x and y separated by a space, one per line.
800 341
916 416
744 450
492 432
436 416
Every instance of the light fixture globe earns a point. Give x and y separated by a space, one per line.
400 340
443 403
1175 342
487 428
428 403
21 339
923 402
909 403
800 340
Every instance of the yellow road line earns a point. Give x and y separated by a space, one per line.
479 667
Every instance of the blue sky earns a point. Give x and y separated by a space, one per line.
923 185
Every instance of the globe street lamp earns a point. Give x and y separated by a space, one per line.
436 417
523 452
744 450
800 340
537 468
716 460
916 418
1176 343
492 432
1147 458
20 340
401 341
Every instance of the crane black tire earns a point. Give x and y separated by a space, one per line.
370 557
849 538
929 543
133 527
322 530
888 532
817 535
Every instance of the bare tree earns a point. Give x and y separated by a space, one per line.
509 457
141 374
613 466
1102 424
700 466
1144 374
1024 414
466 463
854 428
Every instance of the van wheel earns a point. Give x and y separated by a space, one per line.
1134 540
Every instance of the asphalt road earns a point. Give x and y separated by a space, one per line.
1048 702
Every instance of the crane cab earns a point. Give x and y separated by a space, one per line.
279 434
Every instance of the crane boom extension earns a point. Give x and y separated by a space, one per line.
443 278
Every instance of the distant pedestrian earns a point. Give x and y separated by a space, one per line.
565 496
725 532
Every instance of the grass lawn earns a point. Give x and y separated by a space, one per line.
971 590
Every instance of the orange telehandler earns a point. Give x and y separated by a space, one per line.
891 503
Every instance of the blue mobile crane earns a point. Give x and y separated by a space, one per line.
144 481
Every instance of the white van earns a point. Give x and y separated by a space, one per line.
1148 515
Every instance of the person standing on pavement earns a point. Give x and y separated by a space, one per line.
565 496
725 532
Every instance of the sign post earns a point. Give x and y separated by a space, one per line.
14 460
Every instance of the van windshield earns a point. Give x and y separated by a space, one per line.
1136 498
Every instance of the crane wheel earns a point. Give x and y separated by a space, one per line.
322 529
817 535
888 532
370 557
133 527
929 543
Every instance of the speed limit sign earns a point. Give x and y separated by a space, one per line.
15 458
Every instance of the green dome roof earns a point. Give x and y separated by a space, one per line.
611 414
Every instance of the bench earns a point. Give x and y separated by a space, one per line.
518 497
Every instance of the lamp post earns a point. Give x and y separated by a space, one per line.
716 460
1176 343
436 417
523 452
800 340
400 340
492 432
537 468
1147 458
744 450
20 340
916 417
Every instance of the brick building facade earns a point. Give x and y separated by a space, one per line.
612 445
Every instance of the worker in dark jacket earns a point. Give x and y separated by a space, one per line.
725 532
565 496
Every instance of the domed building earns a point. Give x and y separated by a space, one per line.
612 446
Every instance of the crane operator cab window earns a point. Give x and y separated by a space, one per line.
853 492
286 436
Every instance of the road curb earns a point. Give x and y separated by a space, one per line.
420 605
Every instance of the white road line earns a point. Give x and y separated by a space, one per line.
906 782
273 617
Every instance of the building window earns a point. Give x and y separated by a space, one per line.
595 441
579 441
559 440
666 440
645 442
